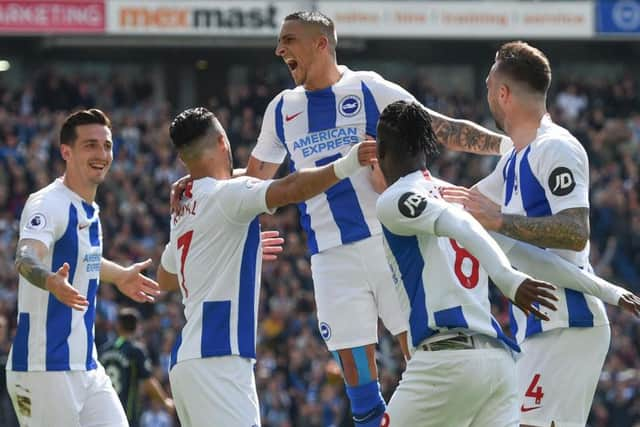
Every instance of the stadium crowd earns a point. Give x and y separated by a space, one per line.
299 383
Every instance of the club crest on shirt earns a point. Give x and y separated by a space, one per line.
37 221
350 105
561 181
325 331
412 204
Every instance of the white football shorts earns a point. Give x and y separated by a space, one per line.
558 374
353 287
461 388
65 398
215 392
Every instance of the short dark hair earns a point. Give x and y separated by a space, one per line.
526 64
128 319
319 20
93 116
405 128
190 125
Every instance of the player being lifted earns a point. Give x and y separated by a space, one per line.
332 108
438 255
214 259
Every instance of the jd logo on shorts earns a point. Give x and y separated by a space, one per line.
561 181
349 105
325 331
411 204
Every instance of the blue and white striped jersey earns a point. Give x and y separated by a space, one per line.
317 127
215 251
550 175
51 336
441 285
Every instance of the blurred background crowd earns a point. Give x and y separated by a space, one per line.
299 384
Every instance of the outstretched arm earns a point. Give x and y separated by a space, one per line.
30 266
550 267
517 286
465 135
306 183
130 280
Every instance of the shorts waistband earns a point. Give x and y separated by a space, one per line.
458 341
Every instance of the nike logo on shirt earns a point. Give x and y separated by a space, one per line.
291 117
523 409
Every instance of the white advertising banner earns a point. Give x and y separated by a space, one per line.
461 19
223 18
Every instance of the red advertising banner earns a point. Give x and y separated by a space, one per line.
70 16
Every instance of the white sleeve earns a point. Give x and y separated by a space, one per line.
409 213
168 259
545 265
270 147
462 227
42 220
492 186
562 167
243 198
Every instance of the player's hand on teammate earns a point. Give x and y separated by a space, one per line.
58 284
137 286
631 303
535 291
177 188
477 204
368 152
271 245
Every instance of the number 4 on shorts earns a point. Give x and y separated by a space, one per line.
534 390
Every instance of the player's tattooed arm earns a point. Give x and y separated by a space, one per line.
567 229
464 135
28 262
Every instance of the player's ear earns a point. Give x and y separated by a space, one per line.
504 92
323 42
65 151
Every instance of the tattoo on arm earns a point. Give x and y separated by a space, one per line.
31 268
568 229
463 135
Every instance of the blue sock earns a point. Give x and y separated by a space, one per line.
367 404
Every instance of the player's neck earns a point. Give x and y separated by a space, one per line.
324 77
401 171
87 191
523 127
214 170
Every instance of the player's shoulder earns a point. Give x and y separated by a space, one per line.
554 140
51 201
52 193
285 94
234 187
392 200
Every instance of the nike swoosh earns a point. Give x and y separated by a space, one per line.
523 409
83 226
293 116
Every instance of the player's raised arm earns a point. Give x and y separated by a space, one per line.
306 183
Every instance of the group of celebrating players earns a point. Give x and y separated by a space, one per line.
387 240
